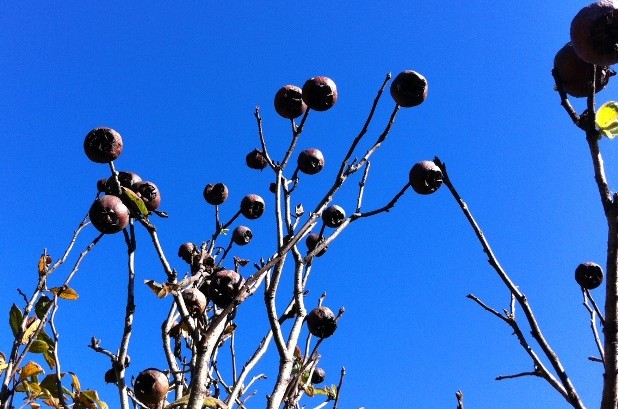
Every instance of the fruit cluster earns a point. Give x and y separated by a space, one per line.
592 49
125 195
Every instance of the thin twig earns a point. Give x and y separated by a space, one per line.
567 390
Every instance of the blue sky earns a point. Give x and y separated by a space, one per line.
180 83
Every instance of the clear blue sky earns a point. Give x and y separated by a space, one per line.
180 83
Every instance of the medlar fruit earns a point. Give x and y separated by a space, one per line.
103 145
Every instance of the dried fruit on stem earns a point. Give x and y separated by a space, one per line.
151 387
594 33
103 145
224 286
575 74
242 235
589 275
320 93
425 177
252 206
215 194
333 216
321 322
409 89
108 214
310 161
289 102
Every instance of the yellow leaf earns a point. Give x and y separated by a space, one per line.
76 385
607 119
31 369
31 326
161 290
66 293
44 263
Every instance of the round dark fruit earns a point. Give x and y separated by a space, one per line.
256 160
409 89
321 322
589 275
108 214
224 287
102 186
289 102
575 74
103 145
242 235
594 33
187 251
195 301
318 376
149 193
252 206
333 216
312 241
320 93
110 376
425 177
310 161
126 179
151 386
215 194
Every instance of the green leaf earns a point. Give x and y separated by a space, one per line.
15 318
607 119
50 383
50 359
38 347
133 202
42 306
44 337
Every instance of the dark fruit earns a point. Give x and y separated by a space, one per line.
102 186
151 386
149 193
425 177
110 376
242 235
187 251
320 93
312 241
333 216
256 160
252 206
195 301
224 287
310 161
318 376
321 322
575 74
594 33
215 194
289 102
126 179
108 214
103 145
409 89
589 275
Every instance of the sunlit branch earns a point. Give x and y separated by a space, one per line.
570 393
593 326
